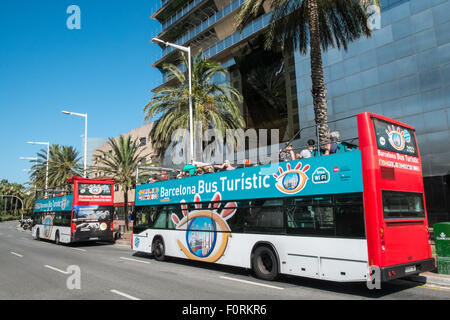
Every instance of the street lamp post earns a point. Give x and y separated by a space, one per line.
191 116
85 116
48 154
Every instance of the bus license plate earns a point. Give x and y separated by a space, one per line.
410 269
93 238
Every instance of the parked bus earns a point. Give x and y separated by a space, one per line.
82 212
333 217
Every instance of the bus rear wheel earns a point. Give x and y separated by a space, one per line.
57 241
264 263
37 235
158 249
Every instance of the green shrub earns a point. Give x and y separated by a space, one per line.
9 217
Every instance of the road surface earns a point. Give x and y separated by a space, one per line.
31 269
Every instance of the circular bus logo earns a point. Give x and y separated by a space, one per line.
206 237
291 181
95 190
201 237
396 138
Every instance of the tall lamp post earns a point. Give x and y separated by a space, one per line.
191 121
48 154
85 116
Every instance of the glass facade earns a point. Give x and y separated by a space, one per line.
402 72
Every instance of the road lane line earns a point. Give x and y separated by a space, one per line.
79 249
16 254
124 295
129 259
56 269
253 283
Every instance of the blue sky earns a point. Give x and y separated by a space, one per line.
104 70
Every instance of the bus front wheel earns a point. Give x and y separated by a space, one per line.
264 263
158 249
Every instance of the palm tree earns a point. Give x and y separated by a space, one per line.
64 163
13 191
121 164
315 25
214 105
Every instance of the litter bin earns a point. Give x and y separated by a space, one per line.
442 241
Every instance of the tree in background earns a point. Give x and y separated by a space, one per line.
64 162
314 25
214 105
10 192
121 164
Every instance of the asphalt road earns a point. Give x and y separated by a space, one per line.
31 269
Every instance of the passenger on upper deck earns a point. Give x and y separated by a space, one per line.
287 154
334 145
309 152
190 169
224 167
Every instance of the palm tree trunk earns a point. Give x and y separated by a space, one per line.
319 91
125 206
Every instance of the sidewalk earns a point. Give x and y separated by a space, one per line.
434 279
431 278
125 240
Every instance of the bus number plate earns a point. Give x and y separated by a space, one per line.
410 269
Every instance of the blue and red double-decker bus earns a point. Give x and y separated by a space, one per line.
334 217
81 212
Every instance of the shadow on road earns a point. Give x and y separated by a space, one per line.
357 289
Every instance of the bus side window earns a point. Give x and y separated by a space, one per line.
66 219
300 218
161 220
350 217
176 210
265 215
236 222
311 216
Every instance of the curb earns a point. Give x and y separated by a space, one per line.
432 279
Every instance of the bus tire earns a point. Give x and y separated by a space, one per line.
265 263
158 249
57 240
37 235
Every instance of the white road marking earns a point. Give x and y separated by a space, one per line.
253 283
56 269
16 254
124 295
79 249
129 259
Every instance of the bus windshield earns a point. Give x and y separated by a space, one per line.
92 213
